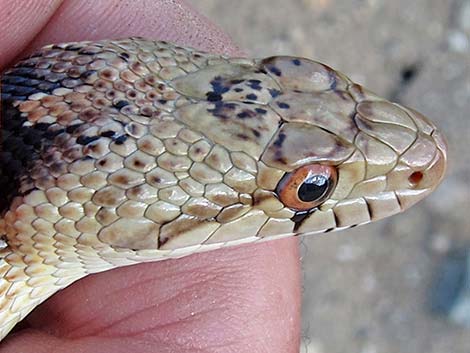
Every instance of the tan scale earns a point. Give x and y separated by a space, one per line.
147 151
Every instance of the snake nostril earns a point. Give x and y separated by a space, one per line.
415 178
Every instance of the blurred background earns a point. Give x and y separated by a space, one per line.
399 285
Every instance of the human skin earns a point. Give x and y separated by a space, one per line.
241 299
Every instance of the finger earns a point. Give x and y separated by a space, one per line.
245 297
20 22
170 20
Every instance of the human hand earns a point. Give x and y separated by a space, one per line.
244 299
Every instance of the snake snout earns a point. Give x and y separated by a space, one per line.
430 175
412 180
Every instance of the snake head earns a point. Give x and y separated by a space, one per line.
326 154
381 157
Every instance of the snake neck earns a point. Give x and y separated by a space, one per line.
25 282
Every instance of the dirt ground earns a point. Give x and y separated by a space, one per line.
366 290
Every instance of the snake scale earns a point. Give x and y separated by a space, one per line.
120 152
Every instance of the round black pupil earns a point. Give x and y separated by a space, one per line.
313 188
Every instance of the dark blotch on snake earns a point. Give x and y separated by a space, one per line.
255 84
107 133
120 140
121 104
213 97
283 105
274 70
274 92
280 140
84 140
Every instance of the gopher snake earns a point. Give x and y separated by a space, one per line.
120 152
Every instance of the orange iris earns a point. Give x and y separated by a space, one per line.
307 187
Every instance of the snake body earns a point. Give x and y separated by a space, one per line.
119 152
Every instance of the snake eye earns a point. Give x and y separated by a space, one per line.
307 187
